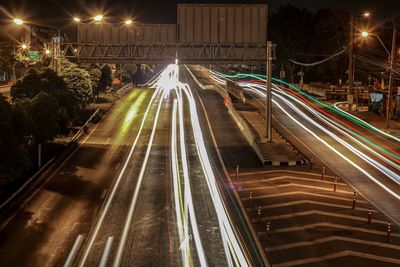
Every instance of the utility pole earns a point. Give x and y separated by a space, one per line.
392 64
268 106
351 70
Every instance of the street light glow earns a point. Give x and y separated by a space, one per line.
367 14
47 52
128 22
24 46
364 34
18 21
98 18
76 19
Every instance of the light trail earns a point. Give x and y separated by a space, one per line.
132 207
178 201
334 125
232 247
114 189
372 162
169 81
336 110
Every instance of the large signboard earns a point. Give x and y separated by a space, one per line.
222 24
121 34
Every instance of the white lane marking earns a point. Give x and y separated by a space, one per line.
106 253
128 221
114 189
74 251
247 218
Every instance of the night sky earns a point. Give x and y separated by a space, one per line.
59 12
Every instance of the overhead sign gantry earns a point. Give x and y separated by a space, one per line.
215 34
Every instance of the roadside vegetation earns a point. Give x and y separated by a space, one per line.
45 107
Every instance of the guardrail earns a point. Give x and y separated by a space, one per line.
82 129
124 89
33 177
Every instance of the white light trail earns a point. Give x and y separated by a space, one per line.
369 125
343 130
169 81
372 162
227 230
114 189
179 209
135 196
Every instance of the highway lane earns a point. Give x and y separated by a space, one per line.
117 191
372 174
226 148
43 230
138 215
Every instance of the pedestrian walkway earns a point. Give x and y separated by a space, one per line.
310 219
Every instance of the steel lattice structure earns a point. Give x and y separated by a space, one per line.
153 53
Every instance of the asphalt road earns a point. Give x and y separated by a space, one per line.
311 146
234 149
91 194
42 231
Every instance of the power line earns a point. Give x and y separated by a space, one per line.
321 61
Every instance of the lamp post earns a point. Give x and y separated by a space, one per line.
350 91
392 62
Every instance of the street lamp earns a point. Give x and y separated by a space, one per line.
392 60
365 34
98 18
76 19
367 14
18 21
128 22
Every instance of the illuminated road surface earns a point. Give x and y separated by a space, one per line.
174 99
370 162
140 191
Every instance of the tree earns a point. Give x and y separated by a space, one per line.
22 120
307 36
94 71
26 87
48 81
7 60
127 73
77 81
105 78
44 113
14 158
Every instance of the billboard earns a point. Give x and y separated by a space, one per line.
222 24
